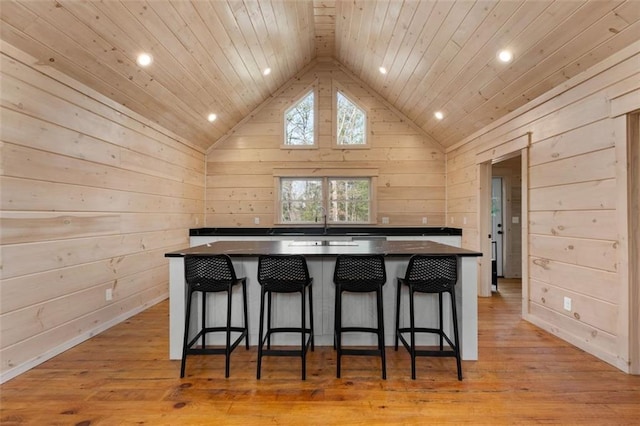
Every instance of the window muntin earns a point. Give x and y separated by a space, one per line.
299 122
301 200
348 200
351 122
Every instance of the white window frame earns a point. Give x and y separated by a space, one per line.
326 176
309 89
338 88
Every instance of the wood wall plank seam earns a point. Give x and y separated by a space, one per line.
262 105
624 54
45 108
19 56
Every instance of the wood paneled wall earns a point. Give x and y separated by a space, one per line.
92 197
410 165
573 202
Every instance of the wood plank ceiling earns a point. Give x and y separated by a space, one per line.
209 56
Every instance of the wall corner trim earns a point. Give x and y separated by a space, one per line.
625 103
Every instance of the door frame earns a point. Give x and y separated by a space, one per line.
634 232
484 223
624 111
518 146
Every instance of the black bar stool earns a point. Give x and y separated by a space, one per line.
284 274
212 274
429 274
360 274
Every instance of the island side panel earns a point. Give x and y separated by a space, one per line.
467 307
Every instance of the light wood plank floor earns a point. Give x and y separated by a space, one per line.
524 376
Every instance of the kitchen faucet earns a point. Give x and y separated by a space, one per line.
324 216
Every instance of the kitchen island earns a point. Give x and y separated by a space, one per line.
321 256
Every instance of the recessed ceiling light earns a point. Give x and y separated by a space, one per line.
212 118
383 70
505 56
439 115
266 71
144 59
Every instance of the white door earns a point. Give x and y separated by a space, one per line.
497 229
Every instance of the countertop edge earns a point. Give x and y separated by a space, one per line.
320 231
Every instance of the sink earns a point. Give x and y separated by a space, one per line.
321 243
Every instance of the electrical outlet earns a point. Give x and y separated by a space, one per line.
567 303
256 220
385 220
424 220
108 295
464 220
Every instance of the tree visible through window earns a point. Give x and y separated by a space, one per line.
302 200
351 122
299 122
349 200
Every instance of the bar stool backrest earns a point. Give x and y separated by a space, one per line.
360 273
431 273
283 273
209 273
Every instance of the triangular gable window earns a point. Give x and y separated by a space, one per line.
351 122
299 122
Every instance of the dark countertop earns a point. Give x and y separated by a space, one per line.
320 231
323 248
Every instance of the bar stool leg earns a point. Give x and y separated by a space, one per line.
185 341
310 289
246 315
440 315
260 340
268 319
303 351
413 334
204 318
399 288
338 328
335 319
381 333
455 333
228 348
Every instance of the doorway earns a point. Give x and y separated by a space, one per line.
503 202
497 233
506 214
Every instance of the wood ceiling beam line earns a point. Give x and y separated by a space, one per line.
262 105
387 104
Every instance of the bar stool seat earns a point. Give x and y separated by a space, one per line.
212 274
360 274
284 274
429 274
